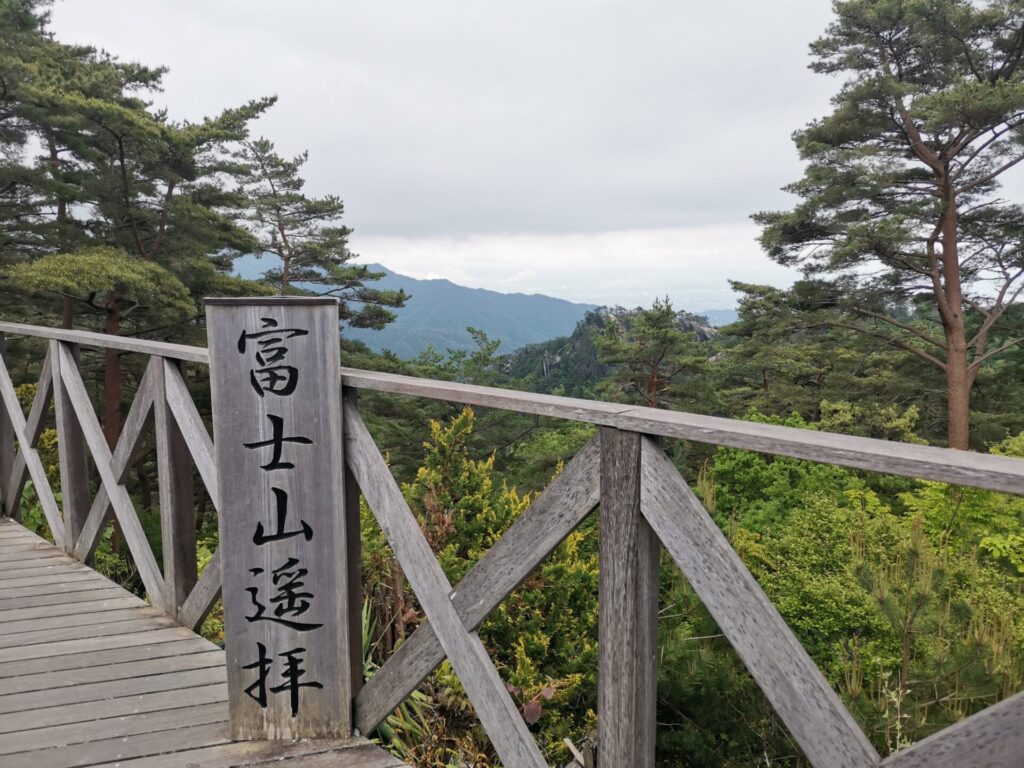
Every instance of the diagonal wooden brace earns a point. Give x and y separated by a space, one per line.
124 509
27 434
125 454
491 700
553 515
798 692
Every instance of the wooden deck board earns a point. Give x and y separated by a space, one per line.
90 675
127 670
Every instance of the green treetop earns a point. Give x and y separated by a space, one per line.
306 234
656 362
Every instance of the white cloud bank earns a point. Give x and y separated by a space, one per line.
630 267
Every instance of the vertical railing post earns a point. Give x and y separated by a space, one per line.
177 499
627 612
71 453
6 440
275 374
354 557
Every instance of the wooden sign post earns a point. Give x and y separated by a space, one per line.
276 386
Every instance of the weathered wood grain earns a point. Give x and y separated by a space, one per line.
60 597
494 706
997 473
77 603
627 679
84 608
177 514
22 570
15 481
80 619
111 728
124 456
12 531
107 341
15 596
354 579
71 456
23 543
26 640
24 557
100 691
127 670
203 596
84 645
12 585
190 423
158 646
28 457
993 738
123 748
552 516
798 692
129 693
7 440
127 705
355 753
307 482
124 509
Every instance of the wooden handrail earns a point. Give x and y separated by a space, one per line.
979 470
107 341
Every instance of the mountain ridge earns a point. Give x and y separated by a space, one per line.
439 311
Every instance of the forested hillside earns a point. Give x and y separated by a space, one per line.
573 365
437 313
907 325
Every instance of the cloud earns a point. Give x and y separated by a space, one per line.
598 150
630 267
448 118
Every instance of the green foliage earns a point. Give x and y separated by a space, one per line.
654 361
542 637
889 598
786 354
759 491
104 275
307 237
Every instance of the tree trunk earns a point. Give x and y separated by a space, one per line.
112 379
67 315
958 392
145 489
951 307
112 399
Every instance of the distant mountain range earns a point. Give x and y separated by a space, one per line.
439 311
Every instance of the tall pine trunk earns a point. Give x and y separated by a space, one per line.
951 309
958 391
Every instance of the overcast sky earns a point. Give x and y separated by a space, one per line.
607 152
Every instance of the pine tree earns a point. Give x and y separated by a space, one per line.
899 195
656 362
307 237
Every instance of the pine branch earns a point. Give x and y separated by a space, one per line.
940 343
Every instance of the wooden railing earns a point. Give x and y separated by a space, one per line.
645 504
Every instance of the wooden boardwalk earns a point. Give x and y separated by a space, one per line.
90 675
